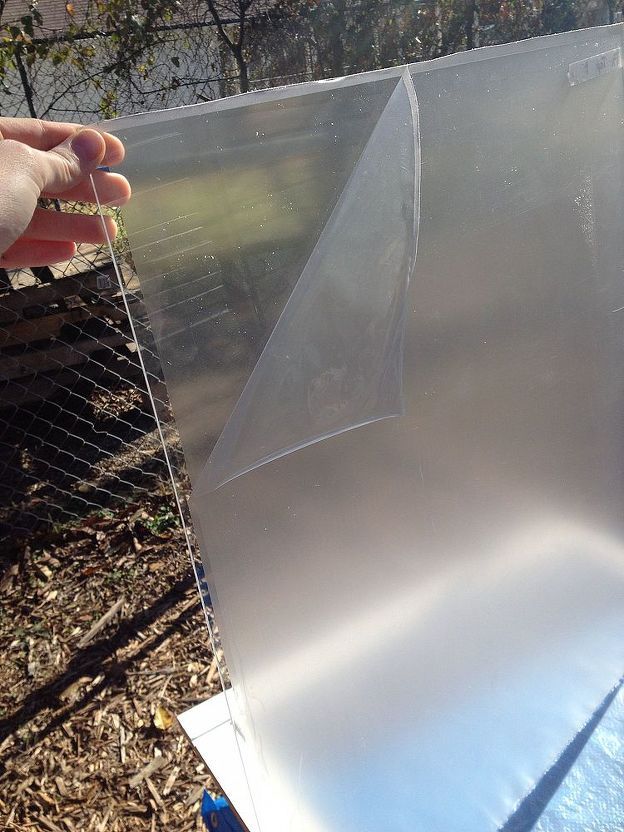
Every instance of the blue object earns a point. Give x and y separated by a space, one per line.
217 815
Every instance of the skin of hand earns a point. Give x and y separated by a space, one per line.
52 159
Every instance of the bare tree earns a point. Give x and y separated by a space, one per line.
231 20
472 24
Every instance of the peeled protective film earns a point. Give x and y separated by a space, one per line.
407 479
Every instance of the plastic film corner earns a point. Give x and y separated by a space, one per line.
334 361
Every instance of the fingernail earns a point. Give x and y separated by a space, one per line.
87 145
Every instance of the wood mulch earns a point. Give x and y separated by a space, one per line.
102 641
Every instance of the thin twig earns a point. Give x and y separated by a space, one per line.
101 623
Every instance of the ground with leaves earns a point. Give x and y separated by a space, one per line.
102 640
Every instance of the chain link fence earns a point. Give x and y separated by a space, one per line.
77 425
78 433
77 428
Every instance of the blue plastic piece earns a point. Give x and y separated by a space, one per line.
217 815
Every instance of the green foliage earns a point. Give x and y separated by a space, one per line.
17 41
558 15
161 522
356 35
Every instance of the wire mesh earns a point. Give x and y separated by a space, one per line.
76 429
77 433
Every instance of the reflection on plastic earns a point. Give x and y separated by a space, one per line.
335 358
595 66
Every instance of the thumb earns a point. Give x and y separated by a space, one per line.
26 172
69 163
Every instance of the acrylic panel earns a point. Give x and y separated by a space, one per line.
390 313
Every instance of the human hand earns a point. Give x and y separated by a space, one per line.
52 159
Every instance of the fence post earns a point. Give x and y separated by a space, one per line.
28 92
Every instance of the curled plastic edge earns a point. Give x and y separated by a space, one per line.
334 361
593 67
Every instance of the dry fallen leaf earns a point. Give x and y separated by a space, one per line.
163 718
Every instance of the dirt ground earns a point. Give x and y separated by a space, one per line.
102 641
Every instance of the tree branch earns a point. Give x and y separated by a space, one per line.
219 24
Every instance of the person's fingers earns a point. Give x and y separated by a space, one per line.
71 162
26 253
79 228
112 189
35 132
53 171
44 135
33 161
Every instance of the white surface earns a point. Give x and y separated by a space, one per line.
210 730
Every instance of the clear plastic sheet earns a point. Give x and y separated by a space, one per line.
408 479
